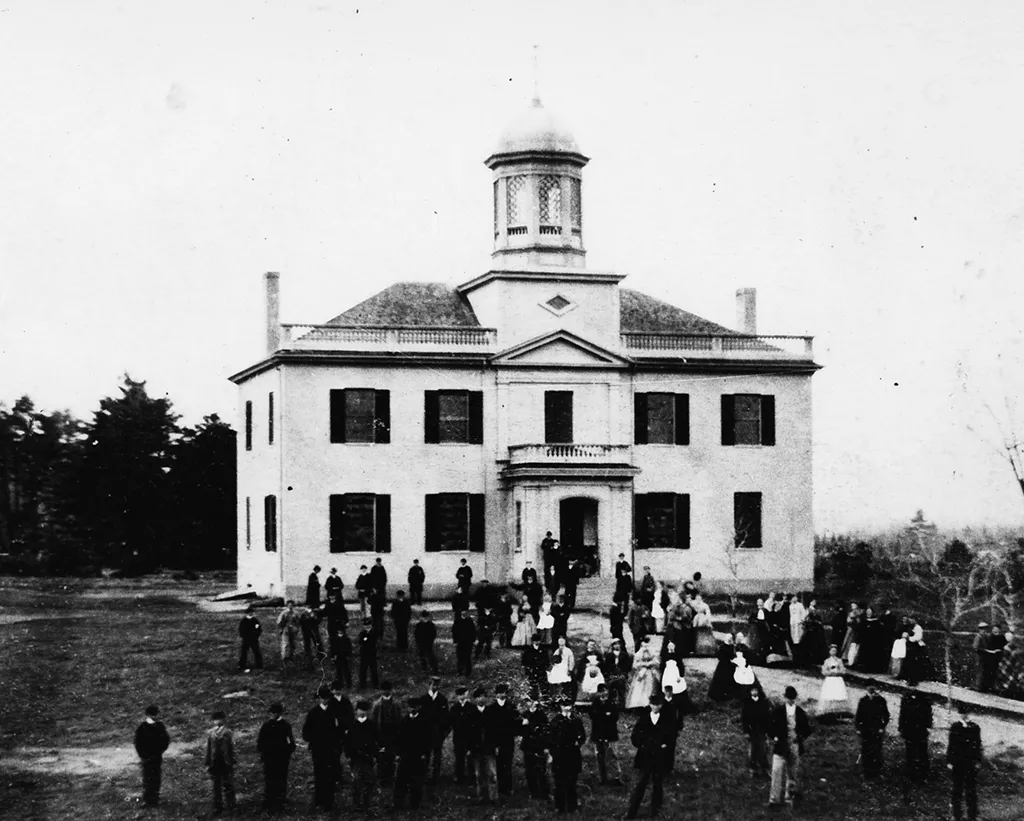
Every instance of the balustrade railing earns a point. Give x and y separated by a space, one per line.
762 346
340 336
586 453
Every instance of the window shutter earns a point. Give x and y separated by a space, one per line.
337 416
248 425
431 418
682 418
640 519
640 419
382 417
767 420
337 523
682 504
476 417
476 523
382 524
270 523
728 419
270 418
431 541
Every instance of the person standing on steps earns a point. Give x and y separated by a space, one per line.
151 742
963 755
313 588
416 579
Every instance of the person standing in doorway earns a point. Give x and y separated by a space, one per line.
151 742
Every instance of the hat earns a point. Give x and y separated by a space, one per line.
152 710
362 704
501 689
276 708
386 686
334 570
323 691
657 698
414 702
435 679
479 691
982 624
217 714
461 691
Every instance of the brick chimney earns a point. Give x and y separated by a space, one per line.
272 289
746 310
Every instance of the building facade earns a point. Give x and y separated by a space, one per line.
443 423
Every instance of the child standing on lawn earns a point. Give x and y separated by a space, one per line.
220 763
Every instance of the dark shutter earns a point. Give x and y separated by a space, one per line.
682 504
728 419
640 519
337 416
767 420
477 530
432 540
557 417
640 419
382 524
248 425
270 523
476 417
382 417
431 418
682 418
270 418
337 523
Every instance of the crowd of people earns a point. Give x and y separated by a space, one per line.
387 743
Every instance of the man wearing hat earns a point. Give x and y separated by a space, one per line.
275 745
368 655
535 665
567 736
321 732
653 735
963 755
460 719
334 584
604 732
425 634
412 745
871 719
914 723
480 747
249 630
534 728
386 714
504 722
220 763
416 578
788 729
151 741
435 710
313 589
362 745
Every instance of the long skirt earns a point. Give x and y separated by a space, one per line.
707 644
523 635
833 700
641 688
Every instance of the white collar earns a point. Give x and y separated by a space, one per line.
790 708
655 717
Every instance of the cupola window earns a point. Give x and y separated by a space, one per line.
550 191
517 206
495 208
576 205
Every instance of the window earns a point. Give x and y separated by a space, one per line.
519 526
248 522
360 523
517 204
248 425
661 419
453 417
557 416
747 517
270 523
455 522
575 205
360 415
495 208
270 418
662 520
748 419
549 190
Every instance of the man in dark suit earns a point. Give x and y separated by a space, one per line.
416 578
504 722
871 719
249 630
459 718
756 717
573 574
529 574
566 738
534 731
604 732
535 665
412 746
151 742
401 615
914 723
463 637
321 732
464 576
672 711
435 709
344 715
653 735
788 729
379 578
480 747
368 655
334 584
387 714
425 634
616 665
313 588
275 745
362 746
622 567
963 755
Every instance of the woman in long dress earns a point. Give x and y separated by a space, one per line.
644 678
525 628
851 641
743 676
545 622
760 633
562 664
722 687
917 666
814 644
706 645
833 700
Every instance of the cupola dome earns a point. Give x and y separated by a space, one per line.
536 129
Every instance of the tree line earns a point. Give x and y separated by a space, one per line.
131 489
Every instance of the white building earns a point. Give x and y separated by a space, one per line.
445 423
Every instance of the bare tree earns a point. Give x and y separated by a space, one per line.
733 558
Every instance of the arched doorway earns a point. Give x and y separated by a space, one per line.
578 533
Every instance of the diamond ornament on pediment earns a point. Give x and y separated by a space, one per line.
558 305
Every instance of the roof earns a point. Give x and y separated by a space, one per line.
430 304
536 130
434 304
640 313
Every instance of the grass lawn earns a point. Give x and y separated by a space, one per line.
81 677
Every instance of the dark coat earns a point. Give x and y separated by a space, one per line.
651 741
313 591
915 717
565 737
503 723
362 742
756 716
604 721
151 740
474 726
425 633
674 710
777 729
321 731
460 719
275 741
334 584
401 612
344 715
534 729
463 632
872 715
416 576
337 616
464 576
388 715
378 578
436 711
364 583
613 666
413 739
964 744
249 627
368 643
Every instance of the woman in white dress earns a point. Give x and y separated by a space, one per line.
644 678
706 644
545 621
562 664
833 700
657 611
592 677
523 635
671 676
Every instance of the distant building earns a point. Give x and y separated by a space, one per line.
445 423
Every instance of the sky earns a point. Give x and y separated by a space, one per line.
861 165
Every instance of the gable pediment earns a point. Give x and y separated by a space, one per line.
559 349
